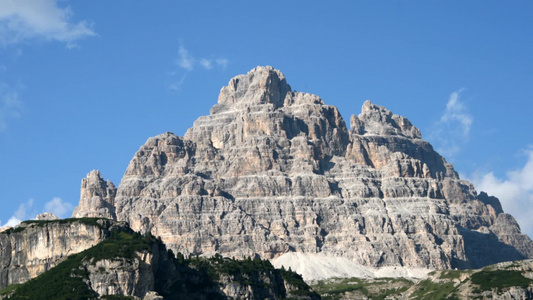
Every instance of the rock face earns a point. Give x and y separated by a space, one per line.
35 247
46 216
96 198
272 171
121 276
127 264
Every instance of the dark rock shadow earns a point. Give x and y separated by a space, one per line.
484 249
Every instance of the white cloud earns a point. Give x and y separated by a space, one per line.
176 86
222 62
456 112
24 209
12 222
21 20
452 130
185 60
22 213
206 63
10 106
515 192
58 207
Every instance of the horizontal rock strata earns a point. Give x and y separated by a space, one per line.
34 247
271 171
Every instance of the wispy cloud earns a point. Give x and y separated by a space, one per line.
12 222
206 63
44 19
456 113
452 131
22 213
24 210
515 191
10 105
27 211
176 85
185 60
188 62
222 62
58 207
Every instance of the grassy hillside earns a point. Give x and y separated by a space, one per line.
513 280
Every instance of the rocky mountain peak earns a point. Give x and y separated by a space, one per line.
262 85
97 197
259 110
271 171
377 120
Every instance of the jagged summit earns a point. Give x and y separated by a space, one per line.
271 171
378 120
46 216
96 197
262 85
266 85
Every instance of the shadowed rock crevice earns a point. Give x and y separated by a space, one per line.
492 201
483 249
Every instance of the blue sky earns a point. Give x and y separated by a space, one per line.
83 84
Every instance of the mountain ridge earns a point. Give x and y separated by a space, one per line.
272 171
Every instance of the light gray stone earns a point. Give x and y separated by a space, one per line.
33 248
46 216
271 171
97 198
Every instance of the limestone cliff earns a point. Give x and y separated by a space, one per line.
271 171
35 247
129 265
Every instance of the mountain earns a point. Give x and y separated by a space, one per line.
271 171
127 265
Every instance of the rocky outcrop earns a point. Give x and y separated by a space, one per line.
97 198
271 171
46 216
35 247
511 280
121 276
127 264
